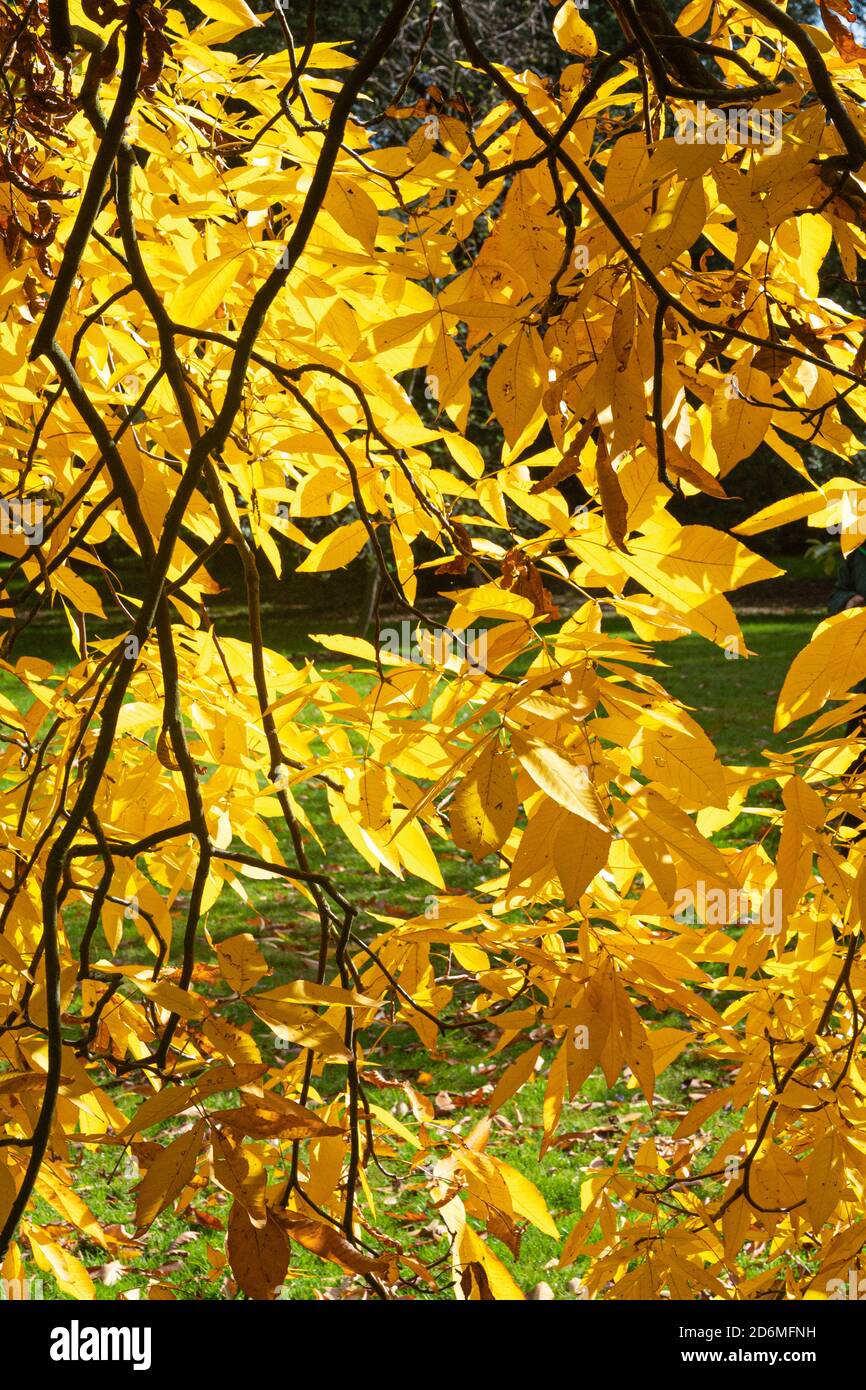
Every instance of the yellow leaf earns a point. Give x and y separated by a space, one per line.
335 550
296 1024
527 1200
417 855
676 226
573 33
828 668
484 808
677 752
793 508
81 595
234 12
514 1076
666 1045
580 850
391 1122
353 209
202 292
554 1095
684 565
736 1220
167 1102
738 426
515 385
168 996
470 957
567 783
590 1022
72 1278
8 1190
340 642
308 992
472 1250
241 962
168 1175
825 1180
230 1041
374 798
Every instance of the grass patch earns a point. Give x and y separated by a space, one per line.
734 700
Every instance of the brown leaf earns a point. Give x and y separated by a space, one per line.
771 359
165 753
475 1284
613 501
331 1245
295 1122
459 565
570 462
520 576
842 37
241 1172
168 1175
258 1255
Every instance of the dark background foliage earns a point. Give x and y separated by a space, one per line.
519 33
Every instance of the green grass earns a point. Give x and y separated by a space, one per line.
734 700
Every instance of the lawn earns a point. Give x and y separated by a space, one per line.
734 700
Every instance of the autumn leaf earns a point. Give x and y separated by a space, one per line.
485 805
168 1174
573 33
299 1025
567 783
827 668
539 335
240 1171
241 962
613 502
258 1253
580 851
329 1244
284 1118
515 385
335 549
204 290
